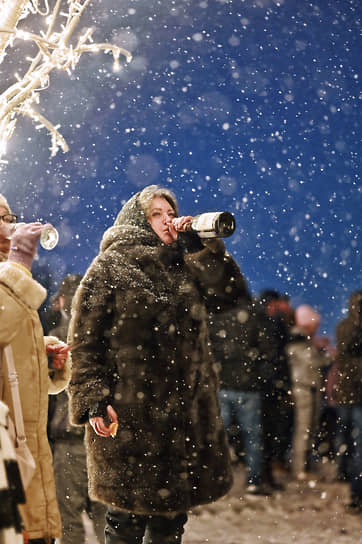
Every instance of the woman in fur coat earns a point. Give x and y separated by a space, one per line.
141 358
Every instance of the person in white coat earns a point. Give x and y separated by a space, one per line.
20 328
306 361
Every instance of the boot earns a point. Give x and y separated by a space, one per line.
154 538
165 530
122 528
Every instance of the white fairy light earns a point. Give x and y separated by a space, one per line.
53 53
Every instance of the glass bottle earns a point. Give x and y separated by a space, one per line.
212 225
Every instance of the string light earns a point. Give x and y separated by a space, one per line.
53 53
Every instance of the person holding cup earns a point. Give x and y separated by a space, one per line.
20 298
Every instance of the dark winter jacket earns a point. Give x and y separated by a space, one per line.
269 337
140 343
230 326
349 354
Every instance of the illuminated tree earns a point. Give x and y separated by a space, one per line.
54 52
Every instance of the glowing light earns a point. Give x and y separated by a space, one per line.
54 53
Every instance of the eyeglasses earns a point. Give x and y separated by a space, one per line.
9 218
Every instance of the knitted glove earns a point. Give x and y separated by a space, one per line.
215 245
23 244
190 242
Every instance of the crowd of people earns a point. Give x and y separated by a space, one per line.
177 372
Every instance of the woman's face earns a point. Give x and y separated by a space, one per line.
5 232
160 217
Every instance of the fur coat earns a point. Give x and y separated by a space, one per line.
140 343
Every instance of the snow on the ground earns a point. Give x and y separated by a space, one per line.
308 512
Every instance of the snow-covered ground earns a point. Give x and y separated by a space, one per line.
309 512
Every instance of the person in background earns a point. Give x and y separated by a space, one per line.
325 439
348 390
240 399
272 315
20 328
141 360
306 362
70 468
11 487
342 437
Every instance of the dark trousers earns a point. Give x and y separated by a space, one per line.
41 541
125 528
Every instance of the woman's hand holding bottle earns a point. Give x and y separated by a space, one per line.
179 223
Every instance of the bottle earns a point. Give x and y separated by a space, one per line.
212 225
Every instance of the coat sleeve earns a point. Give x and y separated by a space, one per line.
89 336
219 276
19 293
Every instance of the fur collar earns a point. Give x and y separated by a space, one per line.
24 286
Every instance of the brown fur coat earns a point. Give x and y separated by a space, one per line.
140 343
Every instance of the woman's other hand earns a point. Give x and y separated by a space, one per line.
59 354
100 428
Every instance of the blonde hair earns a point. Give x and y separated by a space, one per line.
4 203
147 195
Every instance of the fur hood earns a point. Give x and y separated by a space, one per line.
130 227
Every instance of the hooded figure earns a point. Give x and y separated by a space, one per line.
140 344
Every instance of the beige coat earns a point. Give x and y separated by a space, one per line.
20 298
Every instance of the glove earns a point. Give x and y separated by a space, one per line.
190 242
24 242
215 245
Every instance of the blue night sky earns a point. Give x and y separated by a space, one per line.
250 106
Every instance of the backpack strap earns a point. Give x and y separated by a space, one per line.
14 389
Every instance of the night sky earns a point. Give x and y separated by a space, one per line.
249 106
